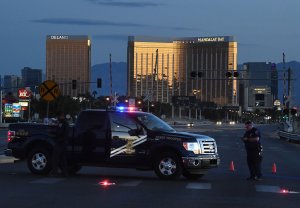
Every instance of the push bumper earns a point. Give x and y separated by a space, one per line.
200 163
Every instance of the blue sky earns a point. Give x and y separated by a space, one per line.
264 29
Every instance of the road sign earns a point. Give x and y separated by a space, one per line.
184 100
49 90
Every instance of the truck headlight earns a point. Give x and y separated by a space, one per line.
192 146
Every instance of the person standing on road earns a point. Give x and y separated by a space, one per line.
59 150
253 147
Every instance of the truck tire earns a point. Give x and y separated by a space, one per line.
191 176
168 166
39 160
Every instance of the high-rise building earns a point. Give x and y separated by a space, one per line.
11 84
31 78
259 86
196 66
69 58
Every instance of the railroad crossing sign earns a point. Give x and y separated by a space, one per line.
49 90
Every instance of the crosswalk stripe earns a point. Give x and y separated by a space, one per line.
198 186
131 183
47 180
267 188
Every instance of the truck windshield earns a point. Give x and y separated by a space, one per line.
153 123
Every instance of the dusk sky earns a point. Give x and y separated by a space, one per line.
264 29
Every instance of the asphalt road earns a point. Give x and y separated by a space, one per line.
220 187
3 142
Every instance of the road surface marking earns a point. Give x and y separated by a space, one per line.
131 183
47 180
5 159
198 186
266 188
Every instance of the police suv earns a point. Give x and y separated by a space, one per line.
117 138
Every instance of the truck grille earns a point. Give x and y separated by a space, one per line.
208 146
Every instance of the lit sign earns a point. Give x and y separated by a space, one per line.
22 103
8 110
212 39
59 37
23 93
260 90
16 108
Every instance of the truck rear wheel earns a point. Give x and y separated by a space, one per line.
168 166
39 160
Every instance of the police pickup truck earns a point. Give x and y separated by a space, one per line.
117 138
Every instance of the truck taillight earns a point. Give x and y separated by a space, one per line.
10 135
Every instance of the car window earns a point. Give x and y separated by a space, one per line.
122 122
90 119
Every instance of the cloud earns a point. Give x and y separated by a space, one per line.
71 21
126 4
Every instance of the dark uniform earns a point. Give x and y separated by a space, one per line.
59 150
254 153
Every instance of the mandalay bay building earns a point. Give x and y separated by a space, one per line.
197 66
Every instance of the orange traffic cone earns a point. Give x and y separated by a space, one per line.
231 167
274 169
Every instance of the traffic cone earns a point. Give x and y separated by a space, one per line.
231 167
274 169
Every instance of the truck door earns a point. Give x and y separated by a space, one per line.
126 148
90 143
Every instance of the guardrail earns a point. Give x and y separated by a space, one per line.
289 136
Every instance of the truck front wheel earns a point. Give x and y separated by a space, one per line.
39 161
168 166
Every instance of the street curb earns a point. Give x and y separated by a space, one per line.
6 159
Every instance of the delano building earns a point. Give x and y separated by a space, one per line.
196 66
69 58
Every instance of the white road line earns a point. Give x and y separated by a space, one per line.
266 188
131 183
5 159
47 180
274 189
198 186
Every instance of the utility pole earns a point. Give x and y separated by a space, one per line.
284 87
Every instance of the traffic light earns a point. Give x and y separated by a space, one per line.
193 74
199 74
74 84
235 74
99 83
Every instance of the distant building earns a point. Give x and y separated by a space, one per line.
11 84
31 78
193 66
69 58
259 85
